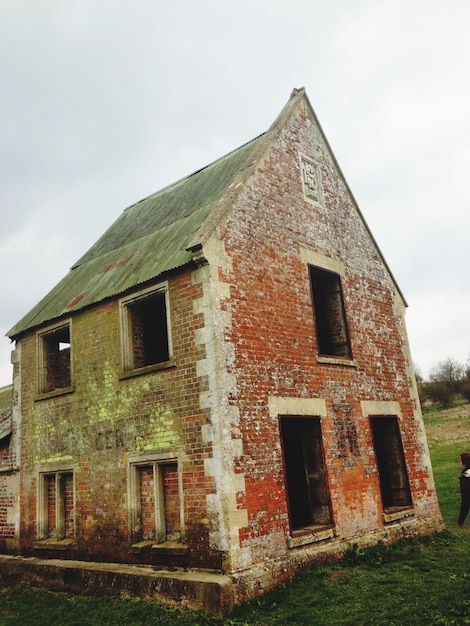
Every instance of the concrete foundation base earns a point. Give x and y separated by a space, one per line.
206 591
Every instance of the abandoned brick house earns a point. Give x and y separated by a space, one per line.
223 380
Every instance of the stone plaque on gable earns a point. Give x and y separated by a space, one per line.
311 181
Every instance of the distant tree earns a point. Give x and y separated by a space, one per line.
418 375
448 372
465 386
465 390
439 393
419 383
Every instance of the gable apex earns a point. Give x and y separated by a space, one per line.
297 97
265 143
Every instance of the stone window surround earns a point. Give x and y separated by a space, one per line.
42 379
377 408
127 359
157 459
54 543
315 407
315 259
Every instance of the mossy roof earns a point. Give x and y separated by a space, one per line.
6 405
6 397
151 237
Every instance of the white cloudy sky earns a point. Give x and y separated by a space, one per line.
105 101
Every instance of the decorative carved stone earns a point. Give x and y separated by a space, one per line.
311 180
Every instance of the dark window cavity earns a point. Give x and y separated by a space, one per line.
145 320
149 331
330 317
391 464
305 475
55 359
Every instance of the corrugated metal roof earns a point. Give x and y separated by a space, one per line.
6 404
5 427
148 239
6 397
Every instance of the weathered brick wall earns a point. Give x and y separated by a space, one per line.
8 500
95 428
9 476
267 239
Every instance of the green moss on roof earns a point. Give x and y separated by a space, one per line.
6 407
149 238
6 399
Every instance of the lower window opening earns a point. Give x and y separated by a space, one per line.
56 520
305 475
393 477
159 516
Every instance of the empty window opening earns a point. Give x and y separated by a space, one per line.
330 317
5 449
304 468
393 477
158 502
146 331
55 357
56 514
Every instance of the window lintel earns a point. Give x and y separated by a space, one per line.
321 261
143 294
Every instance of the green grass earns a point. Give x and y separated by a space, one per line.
407 584
413 582
21 606
445 461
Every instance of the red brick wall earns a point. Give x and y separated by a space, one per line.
69 513
276 347
50 490
147 501
8 503
8 485
172 500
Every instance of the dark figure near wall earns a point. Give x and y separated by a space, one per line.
464 487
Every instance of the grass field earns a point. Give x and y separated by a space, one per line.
424 582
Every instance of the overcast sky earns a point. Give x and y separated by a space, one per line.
103 102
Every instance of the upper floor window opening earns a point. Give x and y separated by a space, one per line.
54 355
330 316
146 328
